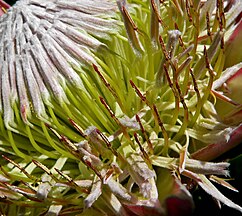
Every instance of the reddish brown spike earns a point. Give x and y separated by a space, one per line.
73 149
105 139
186 113
195 84
47 125
151 149
109 110
129 18
222 43
131 29
115 119
168 77
108 86
207 62
19 167
77 127
183 102
174 91
170 82
45 169
4 172
220 14
224 98
29 186
141 96
176 26
157 117
67 144
22 192
32 198
217 11
105 81
222 24
89 164
188 11
70 146
101 76
124 10
71 182
181 43
191 3
69 179
222 20
54 131
163 130
163 47
206 57
181 96
95 67
155 9
208 26
145 155
108 175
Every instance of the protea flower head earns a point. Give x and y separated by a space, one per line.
114 107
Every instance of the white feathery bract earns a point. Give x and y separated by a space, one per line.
41 44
